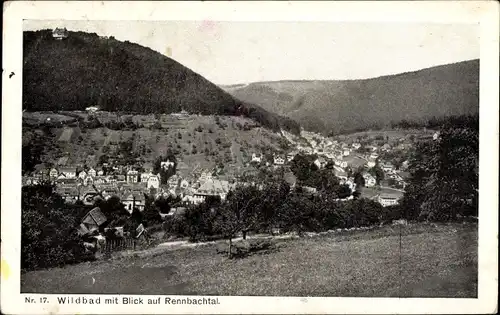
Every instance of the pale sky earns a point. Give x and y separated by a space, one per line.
244 52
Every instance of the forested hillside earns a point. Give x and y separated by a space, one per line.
349 105
87 70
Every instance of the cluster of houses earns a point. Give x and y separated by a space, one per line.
131 186
343 155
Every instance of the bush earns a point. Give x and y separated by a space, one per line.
175 226
246 248
48 234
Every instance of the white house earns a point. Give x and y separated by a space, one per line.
184 184
205 175
68 172
436 135
88 181
256 157
387 167
145 176
356 146
132 176
370 181
341 163
53 173
371 163
320 162
173 181
279 160
82 175
153 182
92 109
388 200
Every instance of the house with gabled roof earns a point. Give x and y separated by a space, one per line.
153 181
340 172
82 174
68 171
92 221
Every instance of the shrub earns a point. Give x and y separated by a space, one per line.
175 226
48 234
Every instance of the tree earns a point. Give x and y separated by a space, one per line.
272 195
377 172
444 173
303 166
298 213
238 214
359 180
199 222
151 212
163 204
48 233
114 210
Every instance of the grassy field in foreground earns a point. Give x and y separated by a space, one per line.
434 261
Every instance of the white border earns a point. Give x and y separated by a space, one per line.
483 12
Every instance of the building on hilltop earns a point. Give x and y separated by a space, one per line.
167 164
60 33
256 157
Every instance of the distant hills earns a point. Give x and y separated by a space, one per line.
85 70
348 105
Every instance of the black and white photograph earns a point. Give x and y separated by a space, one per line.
248 158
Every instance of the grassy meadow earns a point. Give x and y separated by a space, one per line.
428 260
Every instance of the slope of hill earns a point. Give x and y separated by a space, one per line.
87 70
340 106
201 142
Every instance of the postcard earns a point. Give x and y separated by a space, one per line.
250 157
